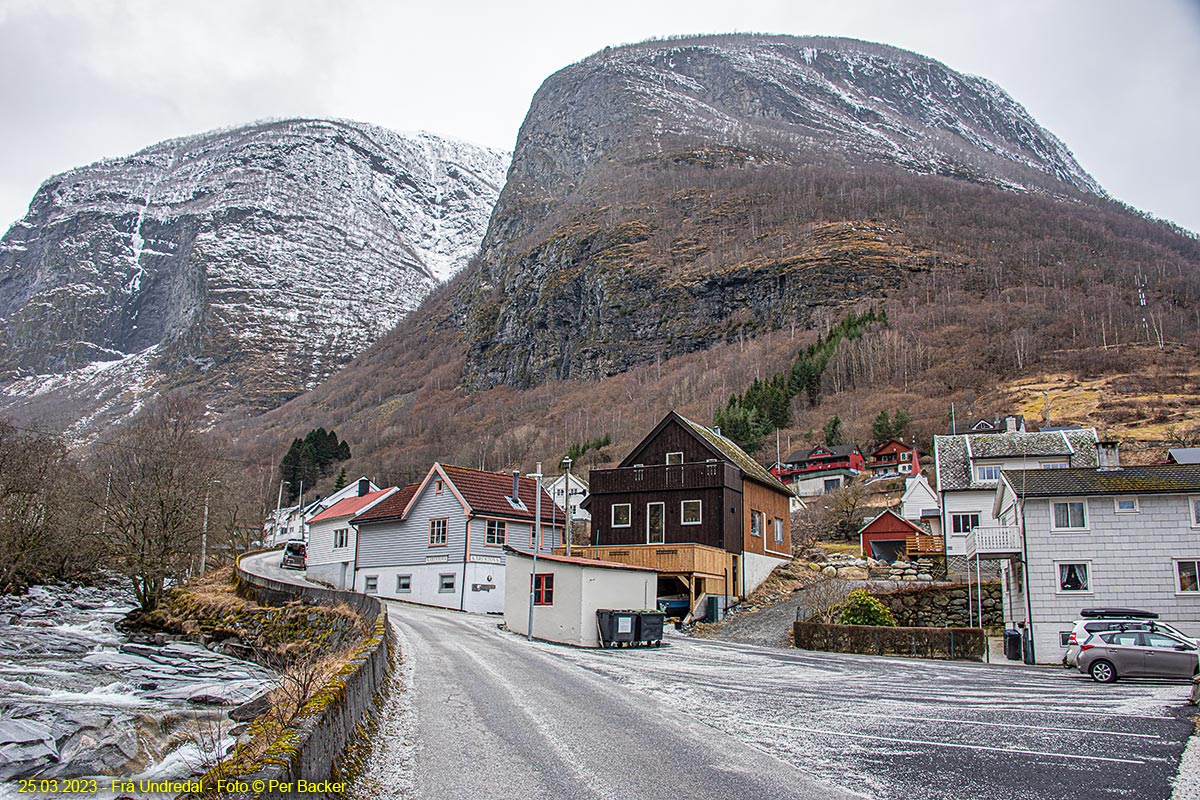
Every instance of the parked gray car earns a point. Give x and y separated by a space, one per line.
1138 654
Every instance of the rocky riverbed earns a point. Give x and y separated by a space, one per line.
78 699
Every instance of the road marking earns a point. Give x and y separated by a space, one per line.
997 724
949 744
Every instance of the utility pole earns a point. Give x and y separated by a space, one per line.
537 530
567 495
204 528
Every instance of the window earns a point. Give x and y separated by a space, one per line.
832 484
778 530
1055 465
1188 574
439 486
404 583
1064 638
1068 515
987 474
621 515
1074 577
446 582
1125 505
1194 502
906 456
963 524
437 532
497 531
656 523
675 458
689 512
756 523
341 538
543 590
371 584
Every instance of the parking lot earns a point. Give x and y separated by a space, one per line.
897 728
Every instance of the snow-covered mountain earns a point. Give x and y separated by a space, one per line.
664 169
249 263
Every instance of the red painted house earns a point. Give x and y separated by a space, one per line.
801 464
895 457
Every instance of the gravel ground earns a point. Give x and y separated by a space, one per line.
1187 782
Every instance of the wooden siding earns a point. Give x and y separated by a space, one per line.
708 532
394 542
773 505
673 438
683 559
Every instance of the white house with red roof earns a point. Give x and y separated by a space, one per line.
441 542
332 539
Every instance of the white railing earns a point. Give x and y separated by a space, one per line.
993 540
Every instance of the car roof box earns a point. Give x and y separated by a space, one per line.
1116 613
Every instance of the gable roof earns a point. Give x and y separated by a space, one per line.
1184 455
907 522
731 452
1148 479
350 506
955 455
487 493
392 507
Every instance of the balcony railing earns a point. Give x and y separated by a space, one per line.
664 477
695 559
994 540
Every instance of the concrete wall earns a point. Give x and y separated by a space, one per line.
756 569
1131 558
331 720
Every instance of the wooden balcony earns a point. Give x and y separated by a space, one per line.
673 559
994 541
923 544
664 477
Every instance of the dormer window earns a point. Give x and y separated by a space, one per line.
987 474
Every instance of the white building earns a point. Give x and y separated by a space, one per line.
441 542
577 489
920 504
968 468
332 539
1106 536
567 593
291 522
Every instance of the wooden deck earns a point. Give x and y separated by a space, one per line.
702 569
919 544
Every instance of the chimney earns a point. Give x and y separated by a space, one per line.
1107 456
364 487
717 430
516 495
1010 424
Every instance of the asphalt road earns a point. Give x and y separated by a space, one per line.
484 714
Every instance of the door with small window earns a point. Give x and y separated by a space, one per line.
656 523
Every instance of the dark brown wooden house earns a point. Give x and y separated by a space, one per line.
694 505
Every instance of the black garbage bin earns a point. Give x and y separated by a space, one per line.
650 627
616 627
1012 645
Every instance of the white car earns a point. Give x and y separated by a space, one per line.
1101 620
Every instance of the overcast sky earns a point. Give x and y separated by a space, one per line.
82 80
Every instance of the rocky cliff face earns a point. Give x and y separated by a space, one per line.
657 197
249 263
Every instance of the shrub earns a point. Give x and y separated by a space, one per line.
861 608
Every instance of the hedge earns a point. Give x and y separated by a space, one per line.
965 644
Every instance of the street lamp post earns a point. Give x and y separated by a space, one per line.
537 530
567 503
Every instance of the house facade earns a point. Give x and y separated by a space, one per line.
1107 535
968 469
821 469
569 493
889 536
691 503
442 544
920 504
894 457
292 522
332 538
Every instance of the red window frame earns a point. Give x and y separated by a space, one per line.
543 589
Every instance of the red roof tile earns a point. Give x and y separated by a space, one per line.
487 493
350 505
393 507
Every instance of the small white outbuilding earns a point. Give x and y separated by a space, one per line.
567 593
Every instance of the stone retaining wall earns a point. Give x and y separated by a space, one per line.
943 605
311 746
963 644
